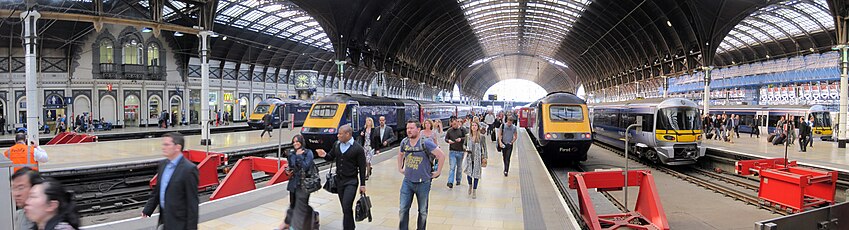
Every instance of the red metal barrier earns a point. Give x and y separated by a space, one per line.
66 138
791 186
207 165
57 138
648 209
240 178
76 138
89 139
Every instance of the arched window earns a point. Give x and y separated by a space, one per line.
132 52
106 52
153 54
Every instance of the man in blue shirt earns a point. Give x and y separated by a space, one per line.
176 190
415 163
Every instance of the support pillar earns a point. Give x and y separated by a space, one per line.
665 86
637 90
421 90
341 65
844 95
30 37
706 93
404 88
204 87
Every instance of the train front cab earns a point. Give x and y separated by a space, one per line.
678 135
265 107
565 132
822 121
322 124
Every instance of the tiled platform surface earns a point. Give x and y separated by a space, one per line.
824 154
124 151
499 203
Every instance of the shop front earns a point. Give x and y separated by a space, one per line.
229 104
131 111
54 106
194 107
154 110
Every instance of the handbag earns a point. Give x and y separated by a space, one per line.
310 180
363 209
330 184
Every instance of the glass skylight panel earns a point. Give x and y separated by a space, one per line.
276 19
781 20
253 15
235 10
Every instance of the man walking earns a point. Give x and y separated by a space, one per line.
415 162
737 125
804 133
489 119
383 135
455 136
350 159
267 126
176 189
506 138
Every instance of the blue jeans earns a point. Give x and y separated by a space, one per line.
455 161
422 192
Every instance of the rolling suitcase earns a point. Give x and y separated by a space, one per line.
709 136
770 138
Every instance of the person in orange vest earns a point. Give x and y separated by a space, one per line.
22 155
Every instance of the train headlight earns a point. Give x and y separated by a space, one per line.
588 135
669 138
549 136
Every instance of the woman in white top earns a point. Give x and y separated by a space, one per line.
437 125
365 141
428 131
475 156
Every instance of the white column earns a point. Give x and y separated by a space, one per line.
844 95
30 36
706 93
204 88
404 87
665 86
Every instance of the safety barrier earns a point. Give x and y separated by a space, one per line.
71 138
240 178
648 212
207 164
790 186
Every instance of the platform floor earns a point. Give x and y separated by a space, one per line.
126 151
824 154
502 202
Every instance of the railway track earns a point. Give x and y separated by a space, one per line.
689 174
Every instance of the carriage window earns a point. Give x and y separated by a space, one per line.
323 111
683 118
822 119
566 113
261 109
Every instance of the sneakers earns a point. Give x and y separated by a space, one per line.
474 194
450 185
457 184
470 190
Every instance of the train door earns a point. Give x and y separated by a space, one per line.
400 119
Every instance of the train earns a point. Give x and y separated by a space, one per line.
768 116
560 124
280 110
332 111
670 134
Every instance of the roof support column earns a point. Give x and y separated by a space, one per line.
844 95
204 87
637 90
341 65
706 93
665 86
421 90
404 88
30 36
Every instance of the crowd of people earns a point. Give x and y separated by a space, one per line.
726 127
44 204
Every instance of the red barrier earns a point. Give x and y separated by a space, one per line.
89 139
57 138
76 138
66 138
240 178
207 165
790 186
648 213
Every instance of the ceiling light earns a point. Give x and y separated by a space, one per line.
269 47
146 30
224 38
178 34
668 23
214 35
378 17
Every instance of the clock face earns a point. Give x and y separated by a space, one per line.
302 81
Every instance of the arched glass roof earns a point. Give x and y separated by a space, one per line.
280 19
779 21
534 27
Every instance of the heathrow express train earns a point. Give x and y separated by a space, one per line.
332 111
671 128
279 110
560 123
767 116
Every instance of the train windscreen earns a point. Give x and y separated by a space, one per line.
822 119
565 113
681 118
261 109
323 111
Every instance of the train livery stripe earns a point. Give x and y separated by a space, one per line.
329 122
681 136
565 127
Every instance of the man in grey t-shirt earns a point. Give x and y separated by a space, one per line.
506 137
22 182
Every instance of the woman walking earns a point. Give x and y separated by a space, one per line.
365 141
437 125
300 161
428 132
50 207
476 157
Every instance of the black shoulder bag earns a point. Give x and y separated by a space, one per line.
310 180
330 184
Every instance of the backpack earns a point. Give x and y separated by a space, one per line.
419 147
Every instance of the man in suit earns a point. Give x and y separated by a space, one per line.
382 135
804 133
176 190
350 158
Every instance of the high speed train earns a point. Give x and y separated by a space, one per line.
279 109
767 116
332 111
560 123
671 128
